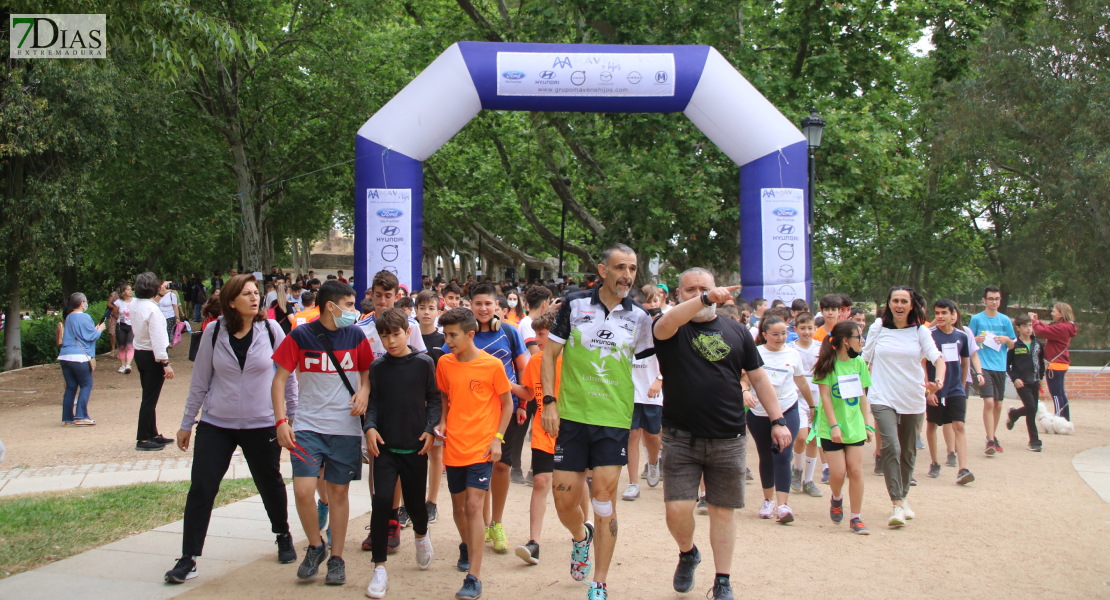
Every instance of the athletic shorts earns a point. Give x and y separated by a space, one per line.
339 455
948 411
994 385
581 446
803 414
511 433
542 462
648 417
831 446
475 476
723 462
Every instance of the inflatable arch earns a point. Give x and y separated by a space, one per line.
695 80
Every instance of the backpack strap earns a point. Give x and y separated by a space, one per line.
318 330
216 331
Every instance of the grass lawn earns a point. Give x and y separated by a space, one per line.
42 528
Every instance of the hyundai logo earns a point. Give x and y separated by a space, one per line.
783 229
785 212
390 230
547 75
605 334
390 213
513 75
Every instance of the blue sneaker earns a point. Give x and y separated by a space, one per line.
471 589
321 514
825 475
580 556
597 592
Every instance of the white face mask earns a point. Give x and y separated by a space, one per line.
512 303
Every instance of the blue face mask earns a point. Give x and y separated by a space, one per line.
346 318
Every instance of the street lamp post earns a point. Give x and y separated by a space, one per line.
812 127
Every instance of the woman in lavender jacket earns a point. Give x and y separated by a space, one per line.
231 379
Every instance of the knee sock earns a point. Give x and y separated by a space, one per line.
811 465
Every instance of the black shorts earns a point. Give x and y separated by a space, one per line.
511 433
473 476
950 410
542 462
831 446
648 417
994 385
580 447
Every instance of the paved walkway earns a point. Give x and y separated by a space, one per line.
133 568
53 479
1094 467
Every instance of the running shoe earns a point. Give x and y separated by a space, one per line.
997 446
1010 418
120 370
597 591
186 568
148 446
645 473
529 478
529 553
321 515
424 553
951 462
127 370
517 476
403 519
286 552
836 510
795 480
337 572
825 475
580 555
500 544
964 477
379 583
703 508
394 536
722 589
811 488
913 481
934 470
858 527
653 475
685 571
489 533
1035 446
990 448
464 559
784 515
920 444
433 511
748 475
631 492
161 439
471 589
907 510
766 509
897 517
878 465
366 542
313 557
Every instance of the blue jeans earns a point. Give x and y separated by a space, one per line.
197 306
77 375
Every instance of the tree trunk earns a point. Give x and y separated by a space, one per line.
251 238
307 249
13 356
69 284
296 259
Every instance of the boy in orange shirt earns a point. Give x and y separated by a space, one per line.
474 384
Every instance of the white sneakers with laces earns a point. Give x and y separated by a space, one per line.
766 509
897 516
907 510
631 492
653 474
424 552
378 584
784 515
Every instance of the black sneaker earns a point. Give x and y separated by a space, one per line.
934 470
529 478
313 556
836 510
286 552
337 571
186 568
684 572
464 559
161 439
403 519
964 477
951 462
878 465
1010 418
722 589
433 512
517 476
1035 446
471 589
149 446
366 543
529 553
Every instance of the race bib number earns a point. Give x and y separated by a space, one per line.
777 376
850 386
951 352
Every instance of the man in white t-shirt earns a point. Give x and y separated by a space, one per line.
171 309
537 300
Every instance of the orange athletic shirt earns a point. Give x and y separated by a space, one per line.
306 316
473 391
820 334
541 440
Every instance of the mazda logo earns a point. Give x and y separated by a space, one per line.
786 229
390 230
605 334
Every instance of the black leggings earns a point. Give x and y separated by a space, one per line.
151 376
1030 395
212 450
1059 396
412 469
774 469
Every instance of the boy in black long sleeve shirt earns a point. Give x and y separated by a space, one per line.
401 416
1025 366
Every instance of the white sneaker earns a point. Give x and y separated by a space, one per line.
767 509
424 552
120 370
631 492
784 515
897 517
907 510
653 475
379 584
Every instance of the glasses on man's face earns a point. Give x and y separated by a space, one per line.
994 299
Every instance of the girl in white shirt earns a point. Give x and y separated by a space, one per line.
783 366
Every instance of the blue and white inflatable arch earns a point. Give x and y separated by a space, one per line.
695 80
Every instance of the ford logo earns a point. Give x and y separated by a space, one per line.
513 75
785 212
390 213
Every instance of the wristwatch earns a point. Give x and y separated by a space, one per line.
779 421
659 377
549 399
705 299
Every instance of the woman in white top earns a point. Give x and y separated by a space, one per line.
125 336
896 346
151 357
171 309
783 366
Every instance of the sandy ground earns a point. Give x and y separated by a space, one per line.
1028 527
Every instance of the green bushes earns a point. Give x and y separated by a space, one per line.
37 337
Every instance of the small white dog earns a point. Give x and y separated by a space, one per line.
1050 423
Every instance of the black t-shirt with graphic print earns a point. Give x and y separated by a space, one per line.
701 367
